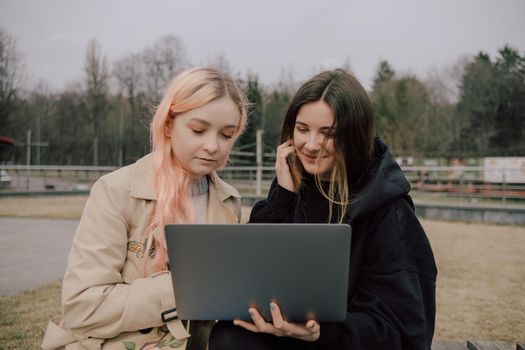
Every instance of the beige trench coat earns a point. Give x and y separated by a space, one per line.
107 303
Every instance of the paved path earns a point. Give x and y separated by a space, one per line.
33 252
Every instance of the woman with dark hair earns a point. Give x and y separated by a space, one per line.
330 169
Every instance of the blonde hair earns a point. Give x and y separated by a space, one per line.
189 90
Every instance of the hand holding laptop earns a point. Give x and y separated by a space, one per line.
310 331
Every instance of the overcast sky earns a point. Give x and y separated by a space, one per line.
265 37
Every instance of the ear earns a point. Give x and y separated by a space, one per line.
167 128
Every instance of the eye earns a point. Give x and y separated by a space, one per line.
329 134
301 129
227 136
197 131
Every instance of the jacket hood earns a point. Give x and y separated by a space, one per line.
386 182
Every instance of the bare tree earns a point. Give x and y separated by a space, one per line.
220 62
96 83
287 82
128 73
130 79
11 78
443 83
163 61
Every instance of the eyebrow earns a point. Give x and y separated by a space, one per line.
205 122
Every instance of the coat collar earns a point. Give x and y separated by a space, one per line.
143 182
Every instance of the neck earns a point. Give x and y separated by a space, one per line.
199 186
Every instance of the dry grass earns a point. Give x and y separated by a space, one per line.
480 282
24 316
56 207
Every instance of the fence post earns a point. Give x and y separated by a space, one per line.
259 162
462 189
504 188
28 159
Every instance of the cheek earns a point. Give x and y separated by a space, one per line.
226 147
330 149
298 140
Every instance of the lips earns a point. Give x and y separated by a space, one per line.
312 157
207 160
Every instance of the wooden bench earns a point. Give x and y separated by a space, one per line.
475 345
489 345
447 345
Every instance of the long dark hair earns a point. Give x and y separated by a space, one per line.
353 139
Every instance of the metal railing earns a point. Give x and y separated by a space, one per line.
463 183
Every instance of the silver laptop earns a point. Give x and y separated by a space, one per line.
219 271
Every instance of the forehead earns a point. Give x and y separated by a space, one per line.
315 114
219 113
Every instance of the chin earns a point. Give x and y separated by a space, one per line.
317 170
314 171
199 172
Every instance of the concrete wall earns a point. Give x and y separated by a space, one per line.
467 212
501 214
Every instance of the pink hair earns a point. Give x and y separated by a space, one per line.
189 90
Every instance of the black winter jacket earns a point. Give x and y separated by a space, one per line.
391 295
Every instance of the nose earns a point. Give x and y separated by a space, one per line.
313 143
211 144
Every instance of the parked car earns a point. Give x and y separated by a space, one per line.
81 187
5 179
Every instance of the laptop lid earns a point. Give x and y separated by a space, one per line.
220 270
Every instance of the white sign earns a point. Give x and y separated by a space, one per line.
504 169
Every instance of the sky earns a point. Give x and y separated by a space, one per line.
270 38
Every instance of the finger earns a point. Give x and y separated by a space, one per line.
246 325
258 320
312 334
313 326
277 316
285 152
281 157
285 144
287 328
310 324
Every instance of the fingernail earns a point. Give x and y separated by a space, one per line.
235 322
251 312
272 306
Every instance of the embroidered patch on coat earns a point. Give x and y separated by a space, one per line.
140 247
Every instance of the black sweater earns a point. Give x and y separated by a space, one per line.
391 295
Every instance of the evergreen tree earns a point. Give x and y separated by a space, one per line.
492 105
274 114
254 95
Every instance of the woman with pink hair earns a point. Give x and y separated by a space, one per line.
117 290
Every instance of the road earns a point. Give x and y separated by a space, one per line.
33 252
